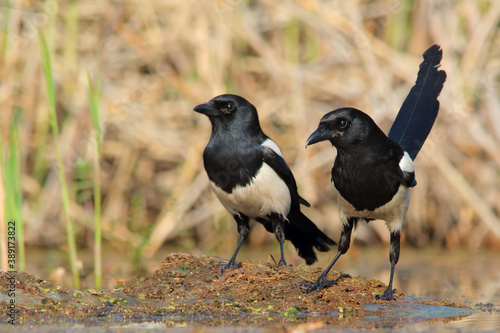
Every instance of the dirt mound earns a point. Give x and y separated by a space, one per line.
192 289
195 283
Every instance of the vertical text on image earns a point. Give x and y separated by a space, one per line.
11 273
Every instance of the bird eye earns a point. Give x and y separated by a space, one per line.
229 107
343 123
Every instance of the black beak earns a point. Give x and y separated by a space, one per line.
207 109
318 135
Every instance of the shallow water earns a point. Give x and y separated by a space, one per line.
472 278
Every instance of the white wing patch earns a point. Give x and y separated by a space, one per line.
273 146
406 163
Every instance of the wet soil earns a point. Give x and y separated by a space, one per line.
190 290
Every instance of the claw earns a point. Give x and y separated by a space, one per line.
387 296
320 284
282 262
230 265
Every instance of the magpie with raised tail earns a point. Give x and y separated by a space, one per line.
251 179
373 172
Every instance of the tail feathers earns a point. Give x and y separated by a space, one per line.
306 237
419 111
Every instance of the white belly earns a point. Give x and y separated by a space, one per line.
266 194
393 212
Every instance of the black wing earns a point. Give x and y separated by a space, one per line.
419 111
278 164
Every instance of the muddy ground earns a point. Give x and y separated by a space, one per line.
190 290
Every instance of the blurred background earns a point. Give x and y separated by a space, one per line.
142 66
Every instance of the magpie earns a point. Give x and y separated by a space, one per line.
251 179
373 172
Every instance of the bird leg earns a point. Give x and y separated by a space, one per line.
344 243
279 232
393 257
243 230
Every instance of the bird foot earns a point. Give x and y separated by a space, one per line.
320 284
282 262
387 296
230 265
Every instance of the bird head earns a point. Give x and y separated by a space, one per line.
343 127
230 110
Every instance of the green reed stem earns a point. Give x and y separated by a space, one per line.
94 94
11 167
51 94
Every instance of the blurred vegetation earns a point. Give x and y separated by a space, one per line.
294 60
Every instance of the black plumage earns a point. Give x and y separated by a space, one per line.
250 177
373 172
418 112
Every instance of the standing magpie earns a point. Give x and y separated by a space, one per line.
373 172
251 179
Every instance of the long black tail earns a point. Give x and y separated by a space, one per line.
306 236
420 109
